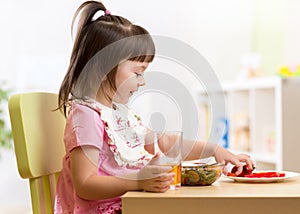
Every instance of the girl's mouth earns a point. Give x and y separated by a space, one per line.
132 92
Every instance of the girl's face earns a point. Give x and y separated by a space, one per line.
129 78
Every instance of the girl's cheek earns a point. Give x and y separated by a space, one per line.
132 81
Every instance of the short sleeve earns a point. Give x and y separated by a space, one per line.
84 128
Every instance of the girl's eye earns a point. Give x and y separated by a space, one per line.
138 75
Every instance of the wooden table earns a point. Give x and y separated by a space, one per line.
224 196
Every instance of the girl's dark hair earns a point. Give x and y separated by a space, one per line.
100 45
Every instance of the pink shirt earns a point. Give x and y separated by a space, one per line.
85 127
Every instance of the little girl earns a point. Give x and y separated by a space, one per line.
108 150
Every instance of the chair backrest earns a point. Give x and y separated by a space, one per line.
38 130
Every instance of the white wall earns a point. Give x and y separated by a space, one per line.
220 30
292 33
35 43
35 39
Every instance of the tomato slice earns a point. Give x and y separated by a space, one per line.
231 174
265 175
249 174
243 173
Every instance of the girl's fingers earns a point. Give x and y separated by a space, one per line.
163 185
239 169
240 160
161 189
155 169
225 170
237 162
165 177
152 171
162 169
246 158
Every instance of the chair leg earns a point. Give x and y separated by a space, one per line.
41 199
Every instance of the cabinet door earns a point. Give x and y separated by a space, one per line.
239 114
265 133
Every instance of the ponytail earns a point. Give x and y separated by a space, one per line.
88 11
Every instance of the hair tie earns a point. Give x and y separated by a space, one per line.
107 12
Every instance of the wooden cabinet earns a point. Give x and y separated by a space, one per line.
263 120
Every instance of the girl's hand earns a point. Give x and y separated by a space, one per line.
155 178
224 156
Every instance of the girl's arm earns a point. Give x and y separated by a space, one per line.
195 150
192 150
91 186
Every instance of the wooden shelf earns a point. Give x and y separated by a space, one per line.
262 115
